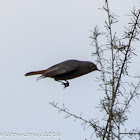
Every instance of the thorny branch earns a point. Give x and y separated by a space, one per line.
133 133
131 37
118 67
117 75
90 123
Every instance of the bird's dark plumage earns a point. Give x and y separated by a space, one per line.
66 70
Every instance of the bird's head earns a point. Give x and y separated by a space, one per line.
93 67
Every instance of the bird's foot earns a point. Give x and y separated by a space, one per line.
65 84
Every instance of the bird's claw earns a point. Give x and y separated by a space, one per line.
65 84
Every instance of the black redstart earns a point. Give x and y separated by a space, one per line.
66 70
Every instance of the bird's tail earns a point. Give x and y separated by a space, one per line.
35 73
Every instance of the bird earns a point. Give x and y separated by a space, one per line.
66 70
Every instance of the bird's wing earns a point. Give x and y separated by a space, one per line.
61 68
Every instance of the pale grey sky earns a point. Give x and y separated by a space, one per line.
35 34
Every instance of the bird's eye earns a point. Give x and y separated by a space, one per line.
91 65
